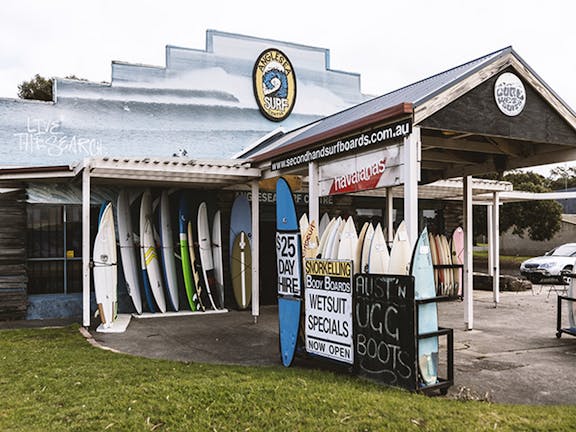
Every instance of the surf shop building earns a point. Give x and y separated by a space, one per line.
228 120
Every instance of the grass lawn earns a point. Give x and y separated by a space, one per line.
53 380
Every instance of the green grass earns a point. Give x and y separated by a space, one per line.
53 380
504 259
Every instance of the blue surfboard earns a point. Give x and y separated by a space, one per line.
288 250
423 272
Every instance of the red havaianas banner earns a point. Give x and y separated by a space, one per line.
367 171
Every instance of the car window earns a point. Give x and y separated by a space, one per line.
565 250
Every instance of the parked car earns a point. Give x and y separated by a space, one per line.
552 265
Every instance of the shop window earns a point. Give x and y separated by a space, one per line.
54 248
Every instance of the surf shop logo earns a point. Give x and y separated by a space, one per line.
510 94
274 84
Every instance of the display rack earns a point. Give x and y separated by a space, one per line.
452 267
559 330
443 383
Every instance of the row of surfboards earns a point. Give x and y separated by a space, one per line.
337 238
151 263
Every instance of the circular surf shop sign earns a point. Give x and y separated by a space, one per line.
274 84
510 94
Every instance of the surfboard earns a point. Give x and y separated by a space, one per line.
303 224
348 243
241 270
183 218
401 252
289 307
240 219
167 251
150 253
571 304
310 241
359 245
434 254
457 248
128 249
217 256
378 255
105 268
143 271
423 272
442 282
324 238
193 253
329 248
205 249
366 248
447 260
324 221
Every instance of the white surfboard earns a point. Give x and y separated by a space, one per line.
105 268
217 256
329 249
324 238
348 243
338 236
359 245
149 252
401 252
128 249
205 249
378 256
366 248
303 225
168 260
324 221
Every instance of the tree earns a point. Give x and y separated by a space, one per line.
562 178
540 220
38 88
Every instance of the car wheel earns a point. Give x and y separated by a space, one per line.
565 279
535 278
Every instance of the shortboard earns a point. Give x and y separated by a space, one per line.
217 255
288 250
359 245
348 243
324 238
128 249
150 253
167 251
366 248
105 267
205 249
378 255
457 248
401 252
434 254
423 272
310 241
183 218
303 224
324 221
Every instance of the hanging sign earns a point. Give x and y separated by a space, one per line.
328 311
510 94
274 84
366 171
384 328
288 262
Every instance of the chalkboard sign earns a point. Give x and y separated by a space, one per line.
384 329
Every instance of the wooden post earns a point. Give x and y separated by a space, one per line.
496 247
86 245
411 177
255 250
389 216
313 203
489 238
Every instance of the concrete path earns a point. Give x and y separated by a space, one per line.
512 355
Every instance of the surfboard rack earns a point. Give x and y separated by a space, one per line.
559 330
443 383
453 267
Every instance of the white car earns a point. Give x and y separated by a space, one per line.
555 262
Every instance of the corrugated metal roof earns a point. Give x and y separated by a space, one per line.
415 93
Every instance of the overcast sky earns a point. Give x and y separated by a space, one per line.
390 44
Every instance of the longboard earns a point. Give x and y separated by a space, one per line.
401 252
423 272
144 272
289 306
217 256
167 251
150 253
241 270
105 268
183 218
434 253
128 249
240 219
205 249
193 253
457 248
324 238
